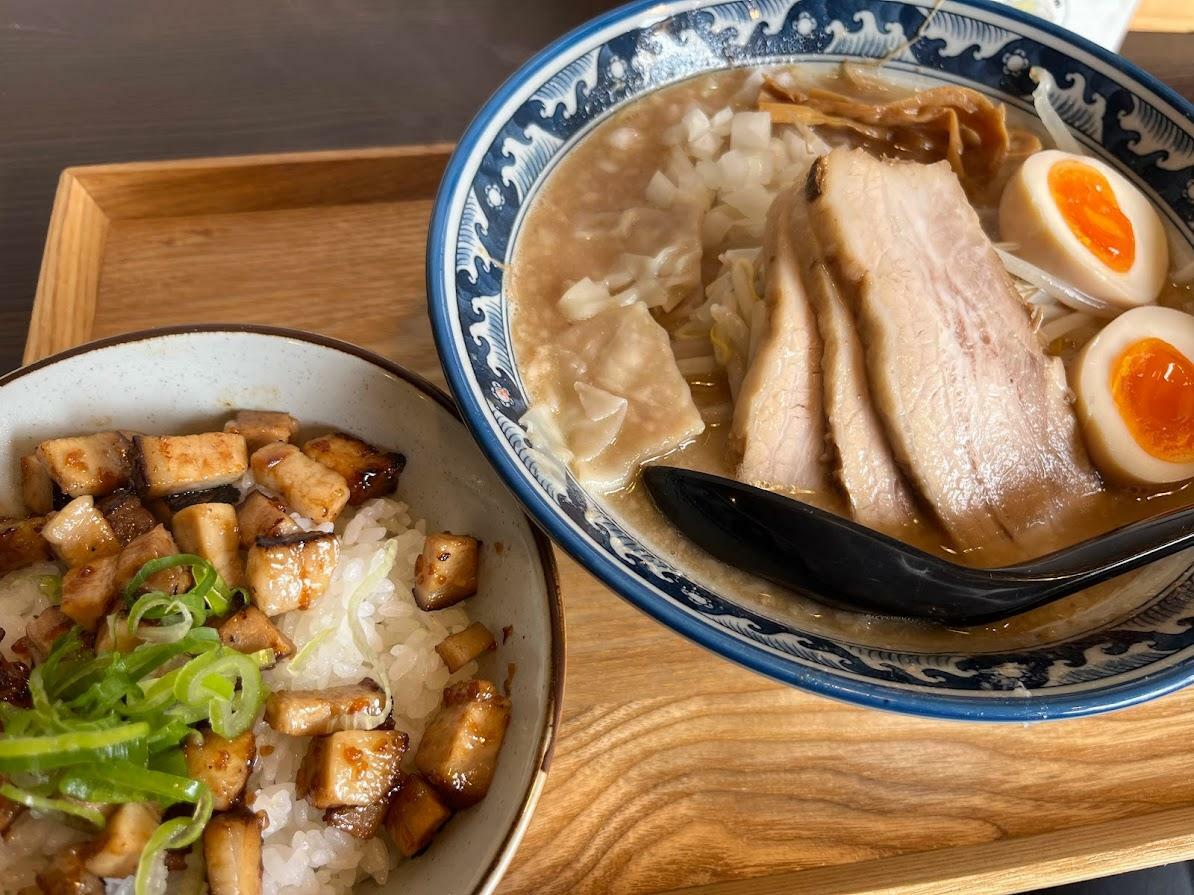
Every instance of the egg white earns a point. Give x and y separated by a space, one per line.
1029 218
1112 446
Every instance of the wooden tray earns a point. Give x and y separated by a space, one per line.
674 769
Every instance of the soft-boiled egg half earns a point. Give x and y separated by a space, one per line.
1134 385
1080 220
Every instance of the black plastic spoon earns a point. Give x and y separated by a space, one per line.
852 567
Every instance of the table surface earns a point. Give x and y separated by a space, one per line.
87 81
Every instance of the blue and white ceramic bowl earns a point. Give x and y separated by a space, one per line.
1118 111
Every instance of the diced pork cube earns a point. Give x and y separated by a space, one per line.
118 849
290 572
232 852
350 767
87 464
458 649
320 712
14 689
154 544
127 515
37 488
172 464
21 543
261 427
209 530
369 471
175 503
79 532
90 590
459 750
358 821
46 627
446 571
310 488
259 516
251 630
415 815
223 764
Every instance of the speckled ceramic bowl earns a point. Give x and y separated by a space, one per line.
1140 642
188 378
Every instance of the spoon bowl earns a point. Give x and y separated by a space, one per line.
852 567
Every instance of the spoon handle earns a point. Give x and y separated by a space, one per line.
1115 552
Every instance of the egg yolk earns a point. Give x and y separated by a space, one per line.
1153 387
1087 204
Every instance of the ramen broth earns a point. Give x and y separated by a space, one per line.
578 226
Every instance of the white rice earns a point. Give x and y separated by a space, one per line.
300 855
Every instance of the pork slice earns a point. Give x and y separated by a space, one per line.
875 488
779 416
975 412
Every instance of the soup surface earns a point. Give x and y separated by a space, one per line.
606 202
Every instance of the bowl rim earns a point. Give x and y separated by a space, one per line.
545 748
441 294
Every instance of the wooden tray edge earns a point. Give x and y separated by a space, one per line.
1004 866
90 197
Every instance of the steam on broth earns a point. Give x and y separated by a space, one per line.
651 318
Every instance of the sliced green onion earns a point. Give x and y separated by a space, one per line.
42 803
125 777
173 834
367 586
303 656
39 753
50 587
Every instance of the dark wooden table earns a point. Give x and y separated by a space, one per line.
87 81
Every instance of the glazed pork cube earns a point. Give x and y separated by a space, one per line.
459 750
87 464
458 649
290 572
116 852
172 464
79 532
37 488
66 875
113 635
446 571
260 516
350 767
415 815
175 503
90 590
232 852
126 514
154 544
369 471
14 689
321 712
358 821
251 630
262 427
21 543
209 530
223 764
46 627
310 488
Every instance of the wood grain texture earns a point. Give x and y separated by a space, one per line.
674 768
1164 15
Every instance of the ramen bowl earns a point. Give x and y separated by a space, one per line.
1128 642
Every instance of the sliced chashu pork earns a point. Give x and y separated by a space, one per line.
975 411
779 417
875 489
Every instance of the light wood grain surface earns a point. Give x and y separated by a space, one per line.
674 768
